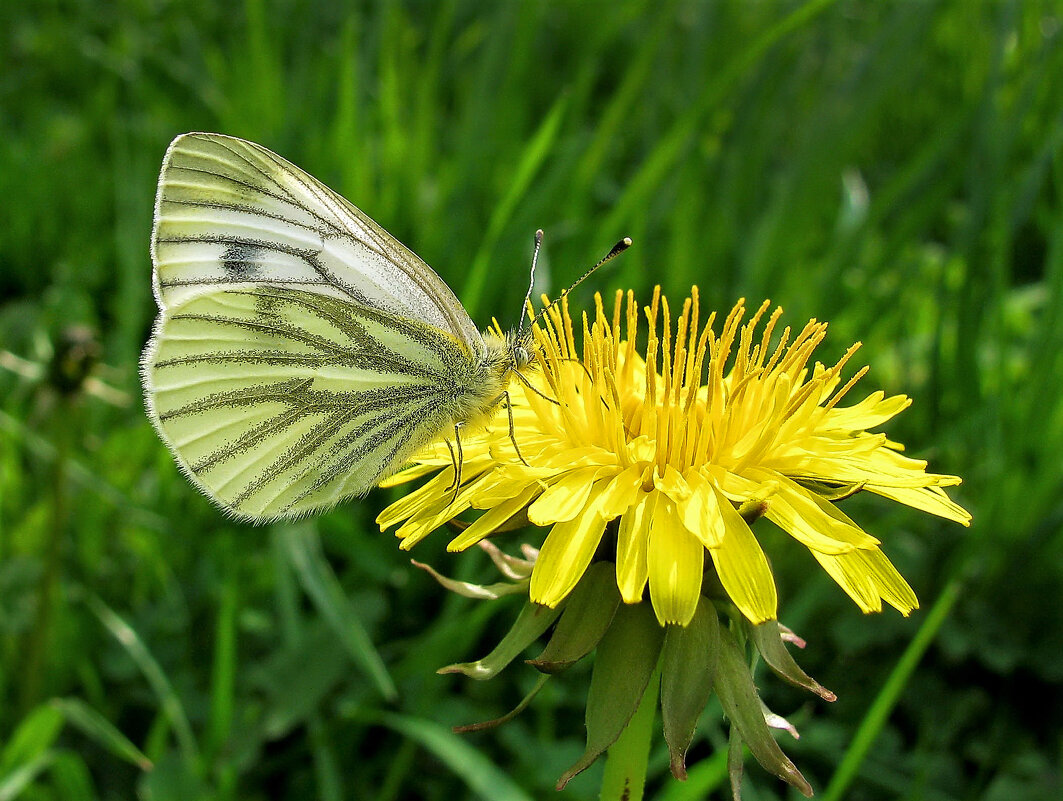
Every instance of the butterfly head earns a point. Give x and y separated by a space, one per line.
510 350
520 349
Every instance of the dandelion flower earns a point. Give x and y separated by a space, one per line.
659 458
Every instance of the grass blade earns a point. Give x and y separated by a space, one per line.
465 760
534 155
672 146
223 675
303 549
887 697
97 728
34 735
12 785
153 672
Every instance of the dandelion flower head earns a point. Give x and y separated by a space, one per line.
659 458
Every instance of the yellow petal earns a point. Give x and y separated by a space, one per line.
428 519
564 499
486 523
812 521
743 569
563 455
867 576
434 512
700 512
891 584
621 491
676 562
408 505
737 489
408 474
872 411
672 484
566 553
929 499
500 484
631 546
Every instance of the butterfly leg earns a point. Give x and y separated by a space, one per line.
531 386
453 463
512 433
456 459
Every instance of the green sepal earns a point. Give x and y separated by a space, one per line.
623 665
736 756
688 663
506 718
480 592
588 613
768 639
530 624
741 704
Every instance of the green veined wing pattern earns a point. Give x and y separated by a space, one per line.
279 401
230 213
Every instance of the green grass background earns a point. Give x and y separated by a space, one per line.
895 168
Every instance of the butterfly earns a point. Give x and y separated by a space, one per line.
301 353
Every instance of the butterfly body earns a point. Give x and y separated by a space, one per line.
301 353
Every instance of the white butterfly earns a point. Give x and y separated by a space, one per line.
301 353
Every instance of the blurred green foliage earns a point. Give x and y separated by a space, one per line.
895 168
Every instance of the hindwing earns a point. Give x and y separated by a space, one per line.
278 401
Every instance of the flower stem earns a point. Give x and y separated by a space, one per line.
625 763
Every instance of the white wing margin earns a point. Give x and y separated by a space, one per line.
231 214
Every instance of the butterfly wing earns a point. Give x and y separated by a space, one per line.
301 353
230 213
278 401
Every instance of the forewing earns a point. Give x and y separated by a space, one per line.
232 214
277 401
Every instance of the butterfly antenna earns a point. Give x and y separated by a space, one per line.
615 251
531 282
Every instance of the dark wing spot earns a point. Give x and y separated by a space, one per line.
240 260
